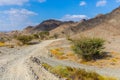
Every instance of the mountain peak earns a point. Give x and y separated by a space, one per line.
116 11
51 21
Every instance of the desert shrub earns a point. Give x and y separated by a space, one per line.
88 48
36 36
61 71
74 74
24 38
44 34
51 37
55 36
2 40
46 66
68 37
81 74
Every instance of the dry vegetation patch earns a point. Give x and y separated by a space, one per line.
111 62
2 44
64 47
69 73
62 54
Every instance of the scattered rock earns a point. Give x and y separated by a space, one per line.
112 63
36 60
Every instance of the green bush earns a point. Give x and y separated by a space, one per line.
55 36
44 34
36 36
88 48
2 39
24 38
61 71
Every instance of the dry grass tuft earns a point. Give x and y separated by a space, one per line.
2 44
59 54
69 73
56 52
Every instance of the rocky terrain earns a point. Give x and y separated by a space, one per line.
25 63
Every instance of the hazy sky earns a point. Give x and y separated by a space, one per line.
17 14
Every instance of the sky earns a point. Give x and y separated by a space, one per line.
18 14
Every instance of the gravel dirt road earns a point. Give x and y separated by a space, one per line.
14 64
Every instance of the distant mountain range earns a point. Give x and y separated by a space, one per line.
47 25
108 24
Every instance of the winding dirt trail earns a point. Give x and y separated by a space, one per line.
15 66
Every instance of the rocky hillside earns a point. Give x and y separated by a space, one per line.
103 25
46 25
61 30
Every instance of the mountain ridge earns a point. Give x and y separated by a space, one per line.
105 22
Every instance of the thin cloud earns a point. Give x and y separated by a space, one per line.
13 11
12 2
83 3
101 3
73 17
117 1
41 1
16 18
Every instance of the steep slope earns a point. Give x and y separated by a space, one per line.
47 25
28 29
61 30
102 25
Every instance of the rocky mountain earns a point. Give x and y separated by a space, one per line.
103 25
61 30
47 25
